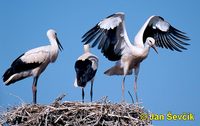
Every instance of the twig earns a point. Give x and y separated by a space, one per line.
22 101
58 100
58 119
76 113
131 96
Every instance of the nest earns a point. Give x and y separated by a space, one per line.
76 114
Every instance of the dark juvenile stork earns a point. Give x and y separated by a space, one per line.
111 37
33 63
86 68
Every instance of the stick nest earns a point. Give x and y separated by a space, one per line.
75 114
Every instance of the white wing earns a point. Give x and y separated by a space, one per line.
36 55
110 35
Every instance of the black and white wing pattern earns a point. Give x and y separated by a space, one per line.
25 62
165 35
110 35
84 72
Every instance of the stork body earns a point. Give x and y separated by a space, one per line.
111 36
33 63
86 68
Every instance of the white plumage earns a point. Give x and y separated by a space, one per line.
33 62
86 67
111 36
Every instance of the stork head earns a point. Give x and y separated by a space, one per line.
151 42
52 35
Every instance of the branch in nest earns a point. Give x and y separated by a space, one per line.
76 113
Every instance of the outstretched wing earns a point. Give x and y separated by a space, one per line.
165 35
110 35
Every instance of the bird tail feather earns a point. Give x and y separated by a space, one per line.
9 72
75 83
116 70
10 76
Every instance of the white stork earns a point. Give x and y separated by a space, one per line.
86 68
111 36
33 63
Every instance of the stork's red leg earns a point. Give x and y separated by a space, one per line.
34 89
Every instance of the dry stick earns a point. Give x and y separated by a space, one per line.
88 116
46 120
58 119
131 96
28 113
17 98
57 101
103 113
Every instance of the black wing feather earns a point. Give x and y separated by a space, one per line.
84 72
18 66
172 39
106 39
179 34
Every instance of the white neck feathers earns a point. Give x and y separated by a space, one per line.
138 41
86 48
